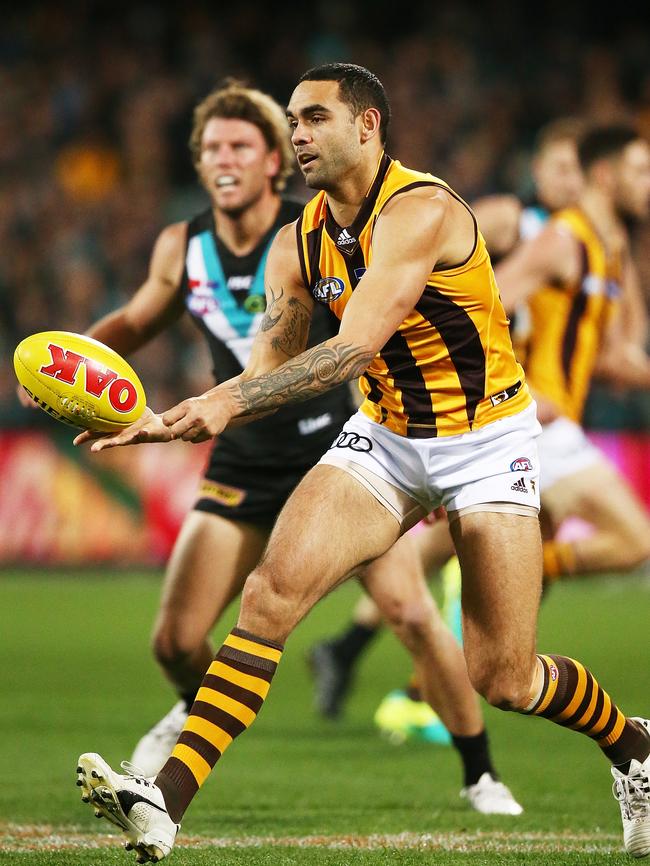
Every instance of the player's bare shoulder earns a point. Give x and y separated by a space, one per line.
420 210
439 221
285 239
557 250
284 261
168 257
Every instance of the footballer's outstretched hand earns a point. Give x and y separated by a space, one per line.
148 428
199 418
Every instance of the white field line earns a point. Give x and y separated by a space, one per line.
22 838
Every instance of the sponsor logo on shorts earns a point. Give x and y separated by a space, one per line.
353 441
223 493
519 486
521 464
532 484
328 289
312 425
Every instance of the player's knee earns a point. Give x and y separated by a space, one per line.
413 621
172 643
268 599
503 689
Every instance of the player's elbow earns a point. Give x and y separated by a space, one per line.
355 362
363 343
132 331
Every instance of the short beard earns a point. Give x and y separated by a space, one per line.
313 183
322 183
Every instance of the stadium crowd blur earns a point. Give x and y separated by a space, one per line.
95 112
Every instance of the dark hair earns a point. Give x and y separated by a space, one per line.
358 87
602 142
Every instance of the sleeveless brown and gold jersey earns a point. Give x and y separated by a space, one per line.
567 321
449 368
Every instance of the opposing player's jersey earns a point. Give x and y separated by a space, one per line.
450 366
568 321
225 295
532 220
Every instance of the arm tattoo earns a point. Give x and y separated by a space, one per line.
293 339
309 374
269 321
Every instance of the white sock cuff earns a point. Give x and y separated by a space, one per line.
535 695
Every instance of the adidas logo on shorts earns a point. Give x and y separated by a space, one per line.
519 486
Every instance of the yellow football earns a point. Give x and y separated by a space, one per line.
79 380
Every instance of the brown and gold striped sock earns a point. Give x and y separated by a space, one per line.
230 697
571 697
559 560
413 690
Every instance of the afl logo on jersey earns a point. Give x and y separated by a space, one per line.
328 289
521 464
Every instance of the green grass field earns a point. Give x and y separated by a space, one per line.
77 676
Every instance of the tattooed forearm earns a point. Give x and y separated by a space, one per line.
272 316
293 338
311 373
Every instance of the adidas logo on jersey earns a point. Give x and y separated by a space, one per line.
519 486
345 239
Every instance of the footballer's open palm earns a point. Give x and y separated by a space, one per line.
148 428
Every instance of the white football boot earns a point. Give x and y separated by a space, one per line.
633 794
491 797
132 802
153 749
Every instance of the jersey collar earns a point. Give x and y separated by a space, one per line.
346 238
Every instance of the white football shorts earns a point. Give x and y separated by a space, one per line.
564 449
495 464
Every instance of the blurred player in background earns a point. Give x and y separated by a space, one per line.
443 420
505 221
213 266
579 284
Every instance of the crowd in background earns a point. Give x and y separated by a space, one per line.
95 112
